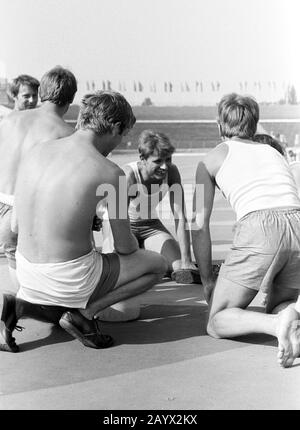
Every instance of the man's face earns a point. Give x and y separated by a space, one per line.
27 98
157 166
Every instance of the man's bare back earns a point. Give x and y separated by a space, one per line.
19 132
62 176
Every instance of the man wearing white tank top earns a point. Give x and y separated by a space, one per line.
265 255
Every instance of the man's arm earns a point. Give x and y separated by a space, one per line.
177 204
201 239
124 241
14 220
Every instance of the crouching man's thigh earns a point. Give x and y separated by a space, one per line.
140 263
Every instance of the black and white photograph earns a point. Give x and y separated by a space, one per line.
149 208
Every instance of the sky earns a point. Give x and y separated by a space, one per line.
153 40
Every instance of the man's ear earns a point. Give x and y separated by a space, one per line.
116 129
220 129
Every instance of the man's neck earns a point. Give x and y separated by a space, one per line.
53 108
100 143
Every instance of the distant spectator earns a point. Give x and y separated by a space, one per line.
24 91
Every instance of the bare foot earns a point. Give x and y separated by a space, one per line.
288 335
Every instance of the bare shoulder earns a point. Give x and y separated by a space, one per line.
214 159
129 173
10 120
108 170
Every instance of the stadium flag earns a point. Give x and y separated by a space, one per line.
87 85
141 88
170 87
103 86
153 87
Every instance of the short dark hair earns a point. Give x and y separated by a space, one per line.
238 116
22 80
269 140
101 110
58 86
151 141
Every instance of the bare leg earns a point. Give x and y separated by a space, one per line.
126 310
130 289
229 318
167 246
138 272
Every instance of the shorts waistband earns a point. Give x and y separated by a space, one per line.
274 211
7 199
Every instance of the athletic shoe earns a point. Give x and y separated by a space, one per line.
191 276
70 321
8 324
186 276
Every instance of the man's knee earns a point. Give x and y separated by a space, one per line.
164 265
155 262
126 310
212 327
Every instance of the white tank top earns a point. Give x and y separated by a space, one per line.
144 205
262 178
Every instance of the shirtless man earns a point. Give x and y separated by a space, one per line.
24 92
62 277
19 131
148 180
258 183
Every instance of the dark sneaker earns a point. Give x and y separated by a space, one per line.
8 324
190 276
73 322
186 276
